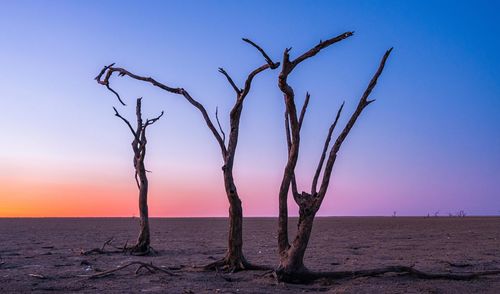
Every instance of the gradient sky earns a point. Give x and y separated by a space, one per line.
430 143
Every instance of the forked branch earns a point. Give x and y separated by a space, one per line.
269 64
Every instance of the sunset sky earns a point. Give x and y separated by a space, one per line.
431 141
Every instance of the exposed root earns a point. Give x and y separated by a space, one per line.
139 250
458 264
233 265
142 265
308 276
136 250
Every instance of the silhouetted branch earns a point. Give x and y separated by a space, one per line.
230 80
218 123
325 149
153 120
363 102
316 49
109 70
268 59
304 109
117 114
106 82
270 64
295 191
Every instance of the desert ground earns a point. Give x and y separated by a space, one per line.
44 255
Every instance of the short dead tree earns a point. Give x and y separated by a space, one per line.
234 260
291 267
139 147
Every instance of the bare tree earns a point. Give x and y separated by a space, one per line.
291 267
234 259
139 146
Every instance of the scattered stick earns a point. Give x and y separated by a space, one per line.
37 276
102 249
149 266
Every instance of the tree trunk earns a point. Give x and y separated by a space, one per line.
142 246
234 255
234 260
291 267
143 241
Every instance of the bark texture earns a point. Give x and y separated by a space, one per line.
291 267
234 259
139 147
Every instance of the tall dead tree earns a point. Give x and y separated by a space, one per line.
139 147
291 267
234 259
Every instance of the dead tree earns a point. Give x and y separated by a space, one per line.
139 146
291 267
234 259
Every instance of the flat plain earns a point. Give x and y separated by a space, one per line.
44 254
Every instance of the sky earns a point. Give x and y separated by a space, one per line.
430 143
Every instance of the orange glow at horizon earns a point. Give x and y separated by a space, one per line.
97 200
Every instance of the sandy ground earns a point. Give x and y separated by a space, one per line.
51 248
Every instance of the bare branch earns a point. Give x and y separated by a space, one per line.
287 131
230 80
325 149
218 123
363 102
109 70
248 82
127 122
116 94
268 59
139 129
103 70
106 82
270 64
304 109
153 120
295 191
316 49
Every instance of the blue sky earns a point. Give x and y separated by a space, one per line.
430 142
